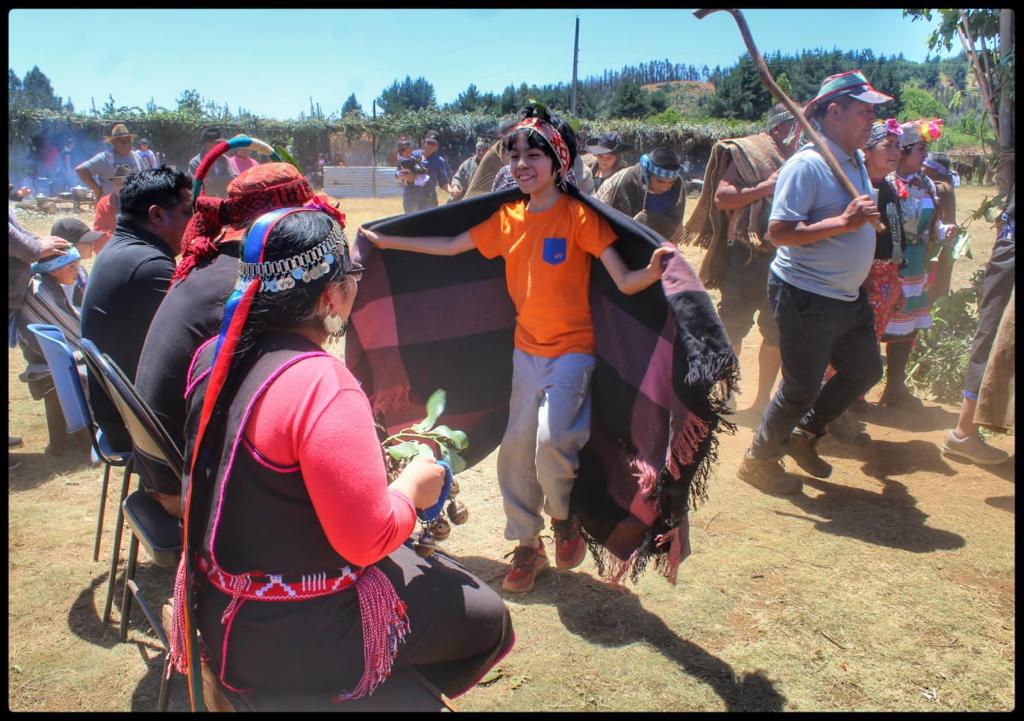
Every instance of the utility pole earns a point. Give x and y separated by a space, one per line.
575 61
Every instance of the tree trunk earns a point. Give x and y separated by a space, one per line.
1004 166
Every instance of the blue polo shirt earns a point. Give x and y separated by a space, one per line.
807 191
439 173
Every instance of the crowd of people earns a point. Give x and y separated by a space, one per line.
218 307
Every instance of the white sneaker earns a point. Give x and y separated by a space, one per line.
972 449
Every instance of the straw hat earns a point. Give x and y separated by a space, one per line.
117 132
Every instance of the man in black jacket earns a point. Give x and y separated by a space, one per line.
131 277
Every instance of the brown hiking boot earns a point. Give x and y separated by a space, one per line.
527 563
801 448
570 548
768 475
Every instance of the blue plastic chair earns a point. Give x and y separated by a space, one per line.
71 394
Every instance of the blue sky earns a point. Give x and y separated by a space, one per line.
272 61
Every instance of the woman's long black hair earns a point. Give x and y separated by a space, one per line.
281 311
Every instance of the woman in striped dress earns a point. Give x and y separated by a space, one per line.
921 224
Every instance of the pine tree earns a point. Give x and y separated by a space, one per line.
352 106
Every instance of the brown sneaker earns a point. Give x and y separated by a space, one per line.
768 475
800 448
527 563
570 548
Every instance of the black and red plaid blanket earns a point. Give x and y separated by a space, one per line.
664 364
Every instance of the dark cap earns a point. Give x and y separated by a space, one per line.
120 171
211 135
143 141
75 231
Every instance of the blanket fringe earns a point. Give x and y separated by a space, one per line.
646 475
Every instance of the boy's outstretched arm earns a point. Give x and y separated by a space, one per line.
633 281
431 245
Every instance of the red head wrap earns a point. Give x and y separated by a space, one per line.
554 140
257 191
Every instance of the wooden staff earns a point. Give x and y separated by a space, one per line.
774 89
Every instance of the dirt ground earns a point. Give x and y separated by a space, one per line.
890 586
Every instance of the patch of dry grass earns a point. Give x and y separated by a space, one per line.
888 587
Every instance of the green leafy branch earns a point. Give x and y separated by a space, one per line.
416 440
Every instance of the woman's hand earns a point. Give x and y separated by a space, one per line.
421 482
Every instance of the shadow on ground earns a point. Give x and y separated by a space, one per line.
884 459
889 518
928 418
1007 470
585 606
84 621
38 468
1003 503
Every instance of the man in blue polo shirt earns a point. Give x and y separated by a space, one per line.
825 243
437 167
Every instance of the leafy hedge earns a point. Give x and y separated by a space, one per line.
176 134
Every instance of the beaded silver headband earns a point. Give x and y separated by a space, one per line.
779 118
279 275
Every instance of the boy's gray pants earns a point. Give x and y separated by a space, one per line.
548 424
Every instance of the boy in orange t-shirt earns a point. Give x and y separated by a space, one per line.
547 243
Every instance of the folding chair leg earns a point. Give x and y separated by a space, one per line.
116 551
103 504
129 575
165 684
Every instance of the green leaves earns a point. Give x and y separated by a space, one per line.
415 440
407 450
435 407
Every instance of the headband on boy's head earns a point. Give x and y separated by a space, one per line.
56 262
551 136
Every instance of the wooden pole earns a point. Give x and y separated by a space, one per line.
774 89
373 154
575 62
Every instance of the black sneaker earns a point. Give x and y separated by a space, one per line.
768 475
846 429
801 448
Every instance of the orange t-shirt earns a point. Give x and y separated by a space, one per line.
547 268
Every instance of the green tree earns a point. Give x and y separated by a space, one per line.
919 103
15 90
190 102
37 91
351 106
408 95
468 100
987 37
669 116
628 101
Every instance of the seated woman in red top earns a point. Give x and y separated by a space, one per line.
301 578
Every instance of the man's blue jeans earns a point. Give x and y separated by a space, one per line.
815 330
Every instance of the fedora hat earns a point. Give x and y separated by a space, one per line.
607 143
119 131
